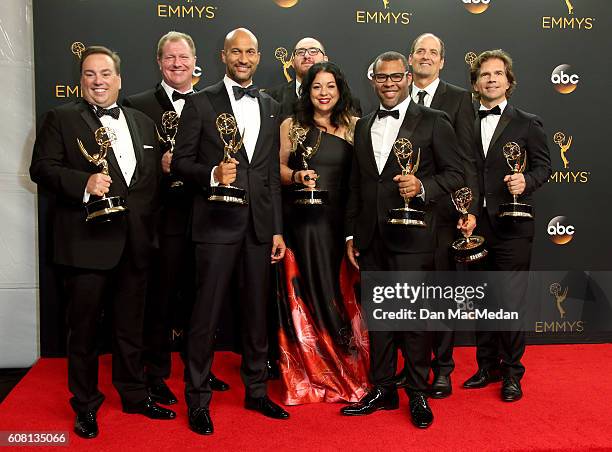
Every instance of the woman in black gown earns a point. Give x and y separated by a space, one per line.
322 337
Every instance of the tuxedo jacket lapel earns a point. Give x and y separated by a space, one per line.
264 116
478 137
162 98
370 147
136 143
505 119
438 98
94 124
291 91
89 116
221 104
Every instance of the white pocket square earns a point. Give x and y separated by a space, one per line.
146 146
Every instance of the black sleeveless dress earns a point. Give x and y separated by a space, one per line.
323 340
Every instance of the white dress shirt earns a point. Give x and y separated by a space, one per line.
429 89
298 87
246 111
123 148
179 103
384 133
488 125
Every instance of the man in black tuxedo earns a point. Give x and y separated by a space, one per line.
172 274
307 52
427 59
104 261
508 241
374 245
230 236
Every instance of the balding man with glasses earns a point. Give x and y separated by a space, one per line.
307 52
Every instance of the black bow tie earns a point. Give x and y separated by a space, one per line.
112 112
176 95
384 113
493 111
239 91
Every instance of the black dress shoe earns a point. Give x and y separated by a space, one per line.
377 399
421 414
401 381
273 370
151 410
511 389
161 393
481 379
266 407
441 387
216 384
85 425
200 421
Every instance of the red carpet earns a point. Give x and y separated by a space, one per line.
567 406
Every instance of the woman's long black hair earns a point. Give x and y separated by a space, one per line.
342 111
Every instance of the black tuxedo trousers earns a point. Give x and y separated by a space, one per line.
504 349
216 264
120 293
415 345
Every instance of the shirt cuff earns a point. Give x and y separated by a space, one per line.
213 182
422 192
350 237
86 197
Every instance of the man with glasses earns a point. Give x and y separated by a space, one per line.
307 52
373 245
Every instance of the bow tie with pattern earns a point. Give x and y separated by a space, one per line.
176 95
239 91
493 111
112 112
384 113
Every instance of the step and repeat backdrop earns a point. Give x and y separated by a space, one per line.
560 50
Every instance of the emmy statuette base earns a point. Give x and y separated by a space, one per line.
105 209
228 194
310 197
516 211
467 250
405 216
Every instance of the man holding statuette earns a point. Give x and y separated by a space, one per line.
513 161
231 119
104 263
171 284
400 135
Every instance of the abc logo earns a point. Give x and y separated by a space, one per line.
196 75
286 3
476 6
564 79
560 230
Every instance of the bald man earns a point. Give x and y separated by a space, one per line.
307 52
231 236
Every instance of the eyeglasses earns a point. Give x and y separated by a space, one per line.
395 77
312 51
